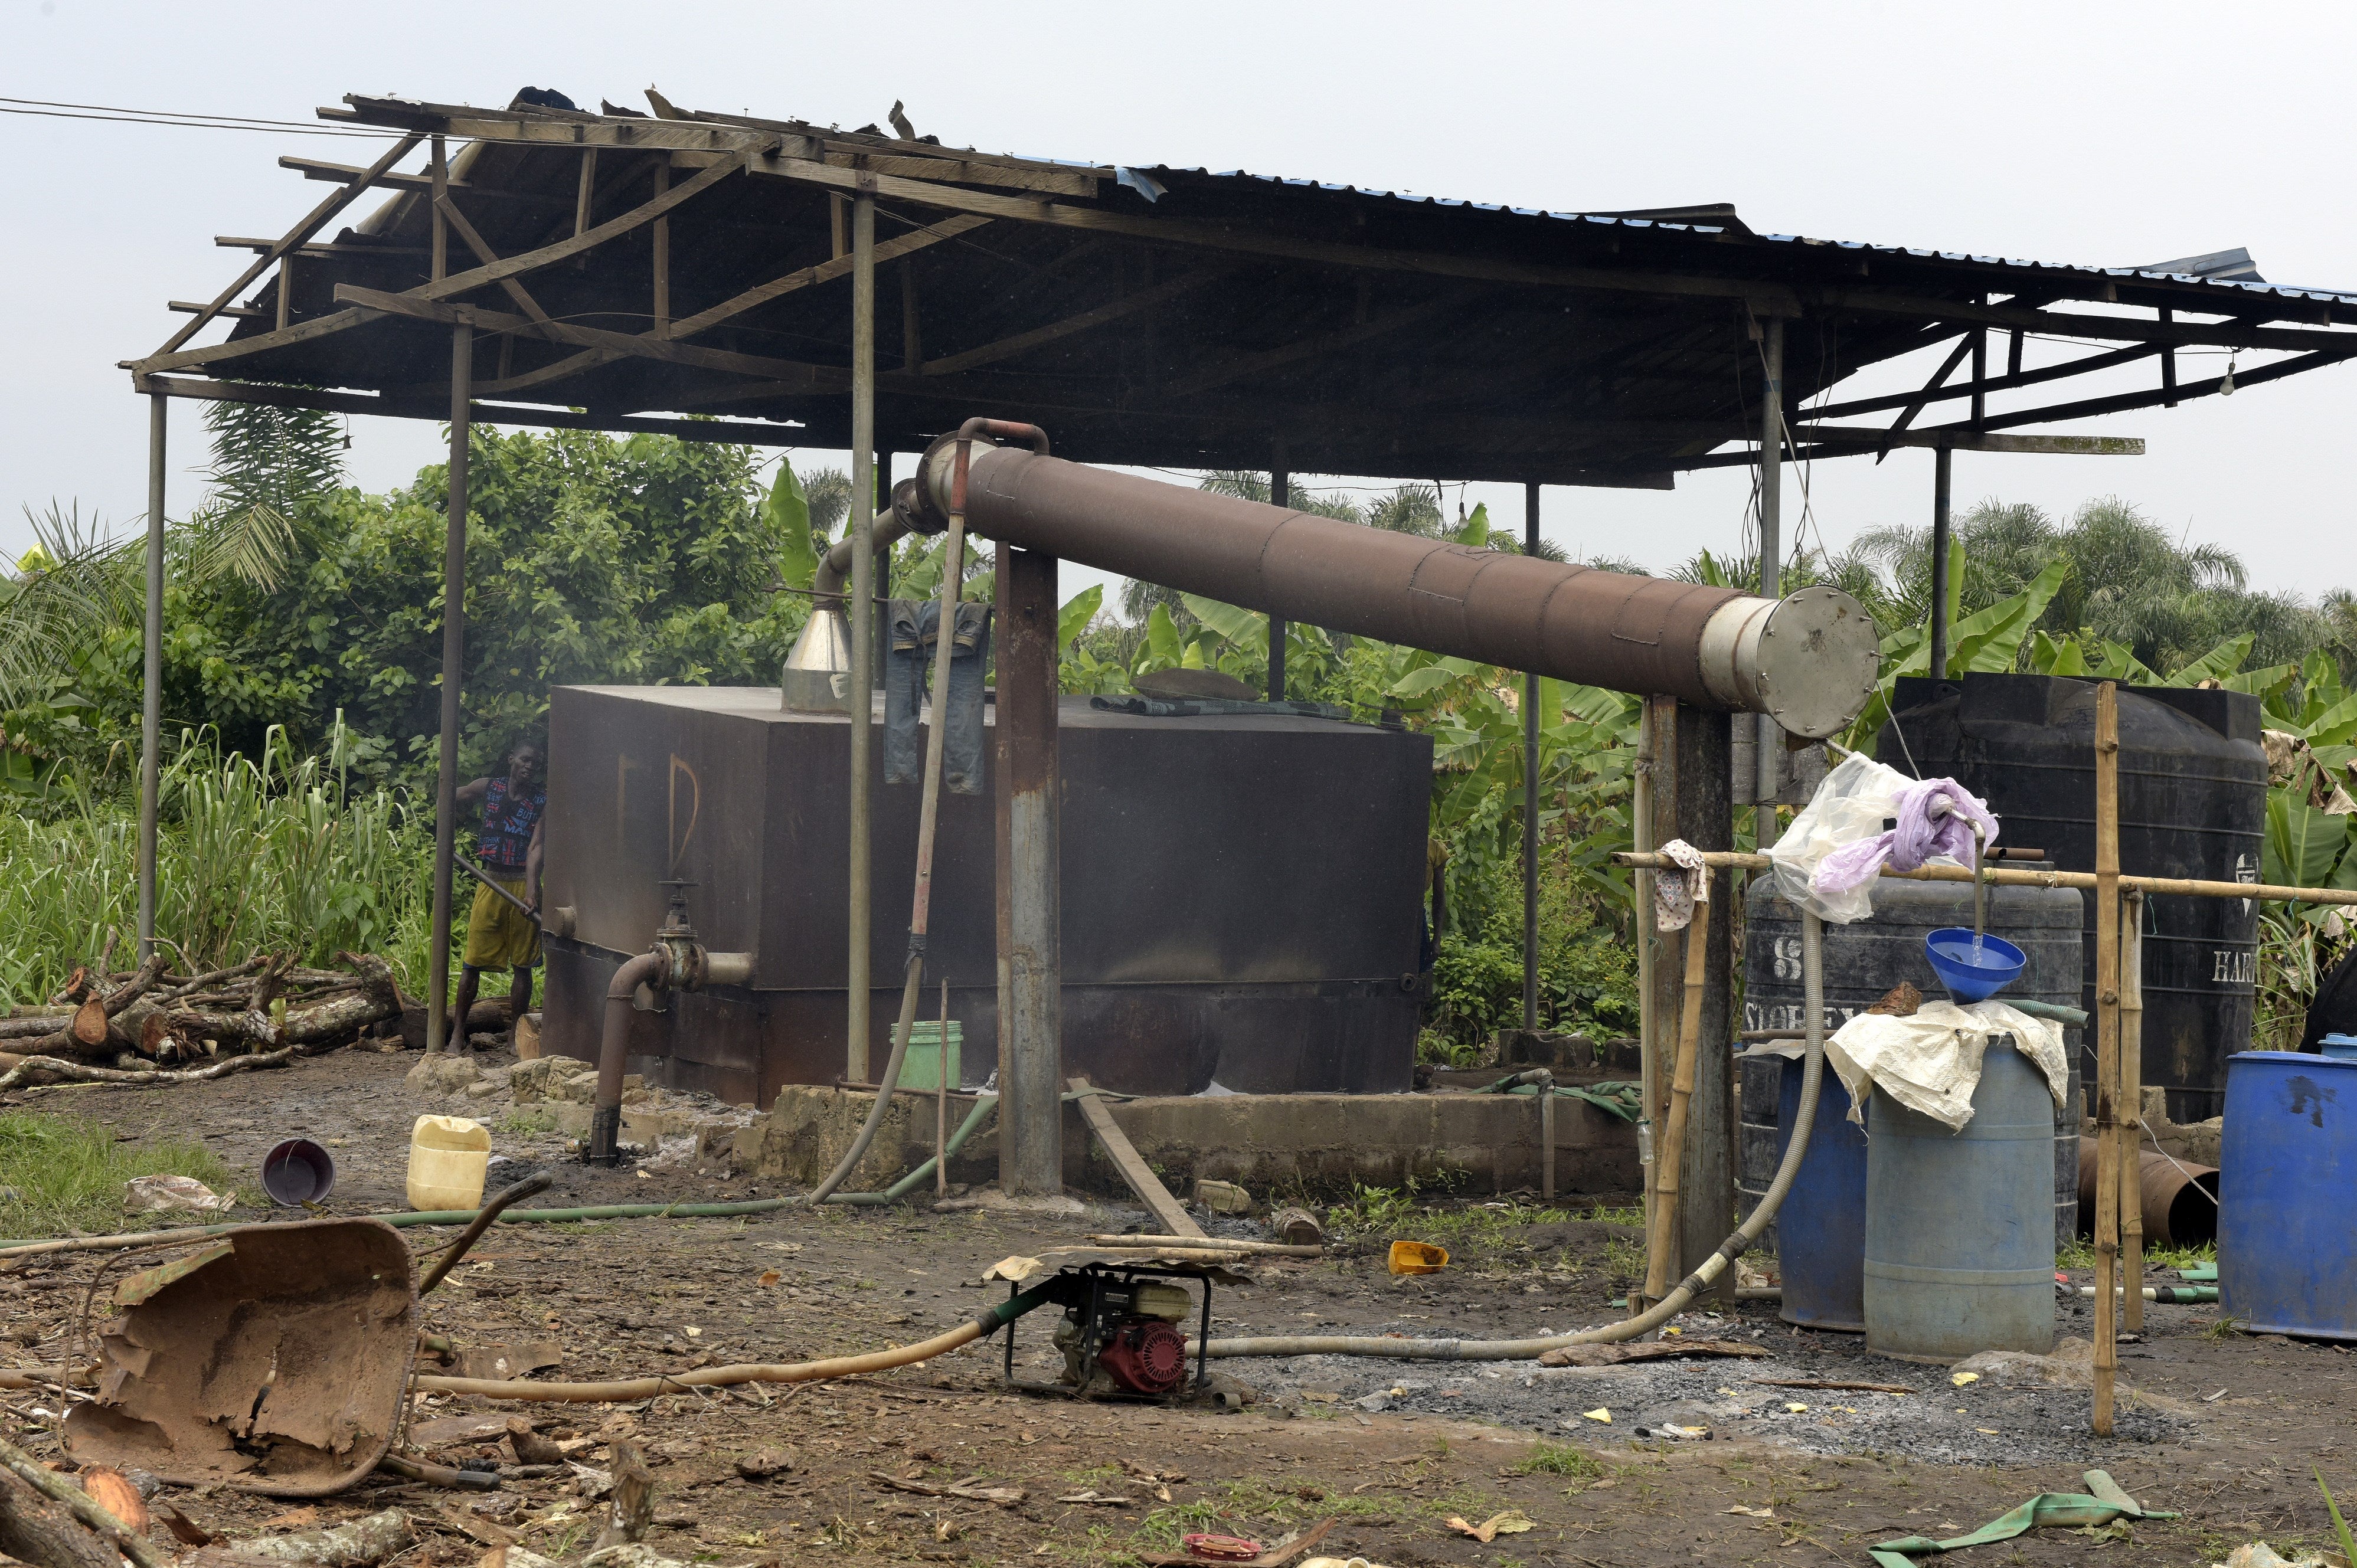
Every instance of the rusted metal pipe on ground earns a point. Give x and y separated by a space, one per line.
1810 661
2179 1202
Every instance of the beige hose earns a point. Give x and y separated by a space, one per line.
705 1378
1813 991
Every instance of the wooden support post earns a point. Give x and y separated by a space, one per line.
151 692
912 339
441 175
2108 1049
2132 1112
2168 363
663 256
1280 493
1770 738
860 687
1029 806
1663 1271
1980 368
454 662
584 198
286 292
836 216
1943 474
1705 760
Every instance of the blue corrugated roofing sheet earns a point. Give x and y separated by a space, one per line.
2005 262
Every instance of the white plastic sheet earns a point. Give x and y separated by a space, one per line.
1850 805
1930 1061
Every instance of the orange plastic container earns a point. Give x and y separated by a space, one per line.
1419 1257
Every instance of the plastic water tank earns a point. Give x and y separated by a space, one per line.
1959 1226
2286 1231
2193 783
1862 961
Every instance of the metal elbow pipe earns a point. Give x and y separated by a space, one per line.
614 1052
891 526
1809 660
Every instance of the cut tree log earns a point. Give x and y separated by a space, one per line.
53 1070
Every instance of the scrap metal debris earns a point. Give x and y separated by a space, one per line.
275 1360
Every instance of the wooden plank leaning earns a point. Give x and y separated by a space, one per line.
1167 1210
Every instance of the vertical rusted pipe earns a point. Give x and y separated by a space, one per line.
1771 555
151 694
1030 1018
2131 1149
858 688
1280 493
1531 799
453 657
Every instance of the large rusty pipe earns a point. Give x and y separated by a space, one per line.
2179 1202
1808 660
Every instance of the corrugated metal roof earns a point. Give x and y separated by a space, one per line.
2005 263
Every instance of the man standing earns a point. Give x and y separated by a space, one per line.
498 935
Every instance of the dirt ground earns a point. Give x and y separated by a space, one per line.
2224 1428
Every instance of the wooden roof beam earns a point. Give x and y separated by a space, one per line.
487 256
320 168
1220 372
1040 337
416 307
312 221
1923 394
763 434
759 295
2086 365
2117 328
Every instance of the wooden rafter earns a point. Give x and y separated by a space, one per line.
350 192
1923 394
764 433
2006 382
414 305
761 293
443 288
487 256
391 180
1220 372
1040 337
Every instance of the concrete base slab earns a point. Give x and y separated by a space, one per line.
1476 1144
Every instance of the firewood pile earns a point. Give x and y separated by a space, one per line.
150 1025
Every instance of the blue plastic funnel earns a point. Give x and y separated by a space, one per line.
1973 972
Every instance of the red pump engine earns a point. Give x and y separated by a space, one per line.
1144 1355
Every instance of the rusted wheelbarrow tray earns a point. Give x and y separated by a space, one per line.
274 1359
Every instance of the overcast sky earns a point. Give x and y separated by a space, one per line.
2089 134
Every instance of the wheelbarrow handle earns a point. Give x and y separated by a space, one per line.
538 1181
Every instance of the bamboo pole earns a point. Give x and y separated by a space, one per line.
2132 1110
2107 1050
1662 1240
2011 876
1641 828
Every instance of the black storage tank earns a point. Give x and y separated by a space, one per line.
1863 959
2194 800
1241 893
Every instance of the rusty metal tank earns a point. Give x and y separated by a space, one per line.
1241 900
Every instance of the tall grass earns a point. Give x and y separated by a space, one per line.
61 1173
253 854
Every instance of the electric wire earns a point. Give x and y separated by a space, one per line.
19 106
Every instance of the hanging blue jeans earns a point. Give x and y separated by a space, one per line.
911 630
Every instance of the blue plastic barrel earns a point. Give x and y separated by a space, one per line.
1821 1229
2286 1169
1960 1226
